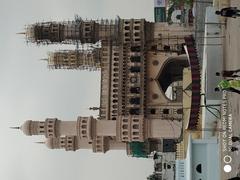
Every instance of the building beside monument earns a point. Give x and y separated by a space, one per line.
139 61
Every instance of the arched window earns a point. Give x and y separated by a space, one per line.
136 34
135 126
137 27
135 120
135 59
199 168
135 48
179 111
127 28
115 95
114 111
115 69
84 126
134 111
135 90
135 100
115 64
165 111
135 133
127 34
135 69
125 126
115 85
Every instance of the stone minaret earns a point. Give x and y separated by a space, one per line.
134 128
88 31
73 143
74 59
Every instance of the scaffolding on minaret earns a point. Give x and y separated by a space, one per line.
81 59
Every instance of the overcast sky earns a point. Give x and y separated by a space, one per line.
30 91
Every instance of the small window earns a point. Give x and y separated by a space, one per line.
135 90
179 111
83 126
137 27
115 64
135 120
165 111
153 111
114 111
135 69
125 126
134 111
127 28
127 34
135 126
135 133
135 59
135 100
136 34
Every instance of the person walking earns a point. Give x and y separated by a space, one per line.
229 12
235 139
229 85
235 178
229 73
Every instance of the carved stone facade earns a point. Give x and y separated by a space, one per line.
139 61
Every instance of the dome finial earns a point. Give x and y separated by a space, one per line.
17 127
21 33
41 142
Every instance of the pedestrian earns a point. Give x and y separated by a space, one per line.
229 73
235 139
234 178
229 85
229 12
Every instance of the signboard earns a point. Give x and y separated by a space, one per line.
159 3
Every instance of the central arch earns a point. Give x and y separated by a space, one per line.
172 71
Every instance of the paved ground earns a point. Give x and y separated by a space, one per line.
199 24
231 62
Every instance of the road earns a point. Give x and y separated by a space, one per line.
231 62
